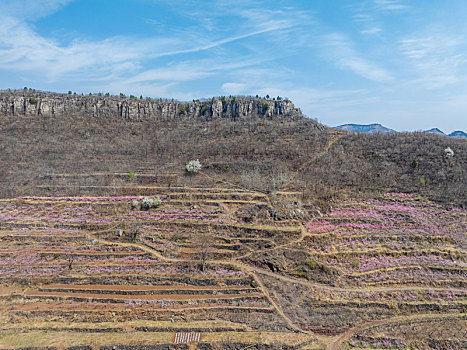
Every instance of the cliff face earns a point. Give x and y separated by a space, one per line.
34 103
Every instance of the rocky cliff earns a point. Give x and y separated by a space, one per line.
35 103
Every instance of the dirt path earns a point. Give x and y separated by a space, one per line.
99 307
143 247
273 303
347 335
147 297
140 288
335 136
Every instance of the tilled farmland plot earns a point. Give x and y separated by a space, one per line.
198 270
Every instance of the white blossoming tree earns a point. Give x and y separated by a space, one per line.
193 166
449 153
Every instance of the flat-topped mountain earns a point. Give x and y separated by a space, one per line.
30 103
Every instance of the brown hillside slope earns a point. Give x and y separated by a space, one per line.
243 144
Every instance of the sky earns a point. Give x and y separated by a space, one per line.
400 63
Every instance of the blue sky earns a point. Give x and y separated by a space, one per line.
397 62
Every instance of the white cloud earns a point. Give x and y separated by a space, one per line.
390 5
341 52
22 49
31 9
373 30
234 88
438 60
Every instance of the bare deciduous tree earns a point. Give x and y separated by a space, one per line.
202 244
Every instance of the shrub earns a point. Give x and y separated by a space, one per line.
183 110
278 98
33 101
134 204
25 88
131 175
133 97
422 181
415 163
267 96
265 107
204 109
311 264
122 95
193 166
149 203
69 92
222 98
301 272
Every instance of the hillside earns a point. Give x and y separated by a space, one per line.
291 236
269 149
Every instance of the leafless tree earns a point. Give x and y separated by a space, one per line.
203 245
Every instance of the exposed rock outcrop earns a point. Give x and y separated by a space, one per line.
35 103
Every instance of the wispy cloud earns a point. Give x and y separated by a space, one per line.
340 50
390 5
23 49
371 31
235 88
217 43
438 60
31 9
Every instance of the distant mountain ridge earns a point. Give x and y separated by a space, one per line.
368 129
459 134
378 128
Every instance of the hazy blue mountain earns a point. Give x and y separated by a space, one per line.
459 134
435 131
368 129
378 128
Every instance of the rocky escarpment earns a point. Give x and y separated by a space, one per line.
34 103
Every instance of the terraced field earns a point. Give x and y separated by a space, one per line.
227 268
